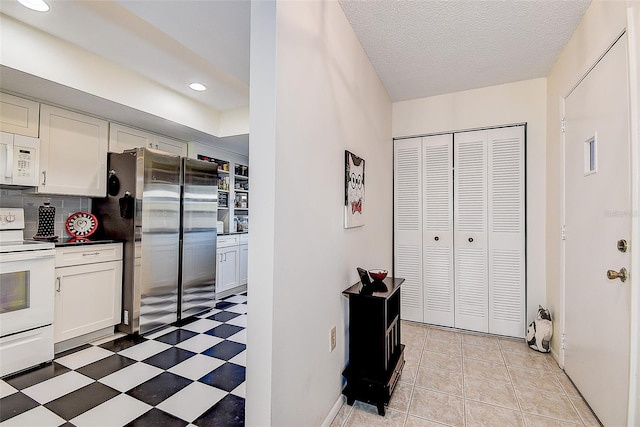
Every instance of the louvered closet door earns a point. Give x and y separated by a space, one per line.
470 236
506 218
408 226
437 227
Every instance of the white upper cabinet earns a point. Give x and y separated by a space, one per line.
73 153
19 115
170 145
123 138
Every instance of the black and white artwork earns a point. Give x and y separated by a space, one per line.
354 190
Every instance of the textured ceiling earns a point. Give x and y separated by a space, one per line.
418 48
430 47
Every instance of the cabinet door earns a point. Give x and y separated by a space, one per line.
73 153
470 237
506 218
229 268
244 261
123 138
87 299
408 225
437 231
18 115
170 145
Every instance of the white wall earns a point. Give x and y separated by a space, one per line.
313 95
510 103
600 26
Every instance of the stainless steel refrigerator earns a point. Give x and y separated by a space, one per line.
164 208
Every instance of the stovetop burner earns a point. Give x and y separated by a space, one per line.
11 233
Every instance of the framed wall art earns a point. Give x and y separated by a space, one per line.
354 190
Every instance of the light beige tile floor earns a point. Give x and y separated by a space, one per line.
463 379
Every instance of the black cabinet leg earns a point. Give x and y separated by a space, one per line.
350 401
381 409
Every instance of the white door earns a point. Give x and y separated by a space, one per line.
506 242
437 231
407 198
598 214
470 237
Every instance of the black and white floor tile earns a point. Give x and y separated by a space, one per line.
187 375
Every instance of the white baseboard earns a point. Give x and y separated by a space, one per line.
334 411
556 357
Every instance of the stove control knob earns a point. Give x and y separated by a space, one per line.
11 218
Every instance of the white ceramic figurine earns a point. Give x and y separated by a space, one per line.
540 331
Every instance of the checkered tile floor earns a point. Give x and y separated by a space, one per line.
193 374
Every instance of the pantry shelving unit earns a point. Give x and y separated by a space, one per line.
233 194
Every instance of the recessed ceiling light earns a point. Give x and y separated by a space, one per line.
198 86
37 5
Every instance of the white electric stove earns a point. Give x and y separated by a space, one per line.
27 296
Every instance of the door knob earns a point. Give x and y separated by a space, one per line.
622 245
622 274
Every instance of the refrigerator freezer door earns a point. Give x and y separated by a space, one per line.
199 220
158 222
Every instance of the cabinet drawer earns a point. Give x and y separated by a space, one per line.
226 241
244 239
88 254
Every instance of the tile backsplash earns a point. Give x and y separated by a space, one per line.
65 206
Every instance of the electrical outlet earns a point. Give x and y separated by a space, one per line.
332 343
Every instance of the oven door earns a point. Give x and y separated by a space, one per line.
26 290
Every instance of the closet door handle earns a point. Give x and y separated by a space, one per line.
58 280
470 239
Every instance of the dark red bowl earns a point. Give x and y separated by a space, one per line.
378 274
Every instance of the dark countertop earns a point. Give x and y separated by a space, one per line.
70 241
233 233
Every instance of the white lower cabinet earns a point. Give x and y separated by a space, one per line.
88 289
231 272
227 272
243 268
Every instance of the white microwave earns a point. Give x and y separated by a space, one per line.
19 160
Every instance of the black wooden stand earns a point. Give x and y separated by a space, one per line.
376 357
